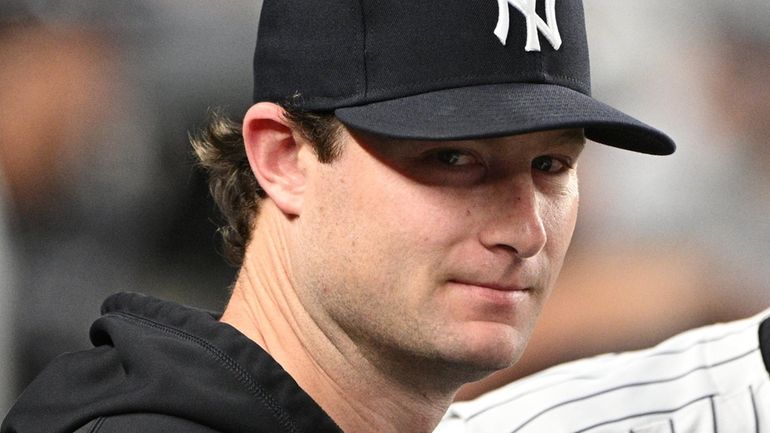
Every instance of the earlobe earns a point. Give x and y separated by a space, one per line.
273 153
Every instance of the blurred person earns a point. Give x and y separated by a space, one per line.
399 198
737 87
705 58
40 145
139 217
50 83
7 276
53 91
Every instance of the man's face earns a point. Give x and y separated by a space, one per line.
437 251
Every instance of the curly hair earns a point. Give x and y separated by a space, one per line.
220 151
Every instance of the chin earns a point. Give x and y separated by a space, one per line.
495 361
483 356
469 370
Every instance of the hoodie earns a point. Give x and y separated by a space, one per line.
160 367
764 342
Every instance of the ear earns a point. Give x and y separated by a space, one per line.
273 152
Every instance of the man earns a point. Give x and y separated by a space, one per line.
400 199
711 379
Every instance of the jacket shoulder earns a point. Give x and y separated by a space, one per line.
143 423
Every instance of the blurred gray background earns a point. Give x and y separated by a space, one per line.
99 192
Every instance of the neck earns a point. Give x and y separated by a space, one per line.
357 390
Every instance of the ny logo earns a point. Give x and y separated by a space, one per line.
549 28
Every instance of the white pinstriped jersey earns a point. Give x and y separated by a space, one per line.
707 380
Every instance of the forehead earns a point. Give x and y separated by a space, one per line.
550 138
571 140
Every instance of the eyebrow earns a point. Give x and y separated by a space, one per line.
573 134
570 138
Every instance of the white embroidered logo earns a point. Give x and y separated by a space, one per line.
549 28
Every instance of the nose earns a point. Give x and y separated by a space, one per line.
515 221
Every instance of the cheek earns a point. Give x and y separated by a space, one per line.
368 222
392 209
559 217
564 216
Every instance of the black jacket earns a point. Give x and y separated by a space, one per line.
764 342
160 367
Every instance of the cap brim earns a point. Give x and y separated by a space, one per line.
503 109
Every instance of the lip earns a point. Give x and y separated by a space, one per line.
496 295
492 286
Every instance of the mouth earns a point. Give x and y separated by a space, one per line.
493 292
500 287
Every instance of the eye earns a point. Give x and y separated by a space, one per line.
454 157
550 164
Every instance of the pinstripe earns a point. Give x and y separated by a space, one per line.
681 383
693 345
639 415
754 408
633 385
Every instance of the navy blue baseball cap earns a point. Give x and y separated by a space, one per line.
440 69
